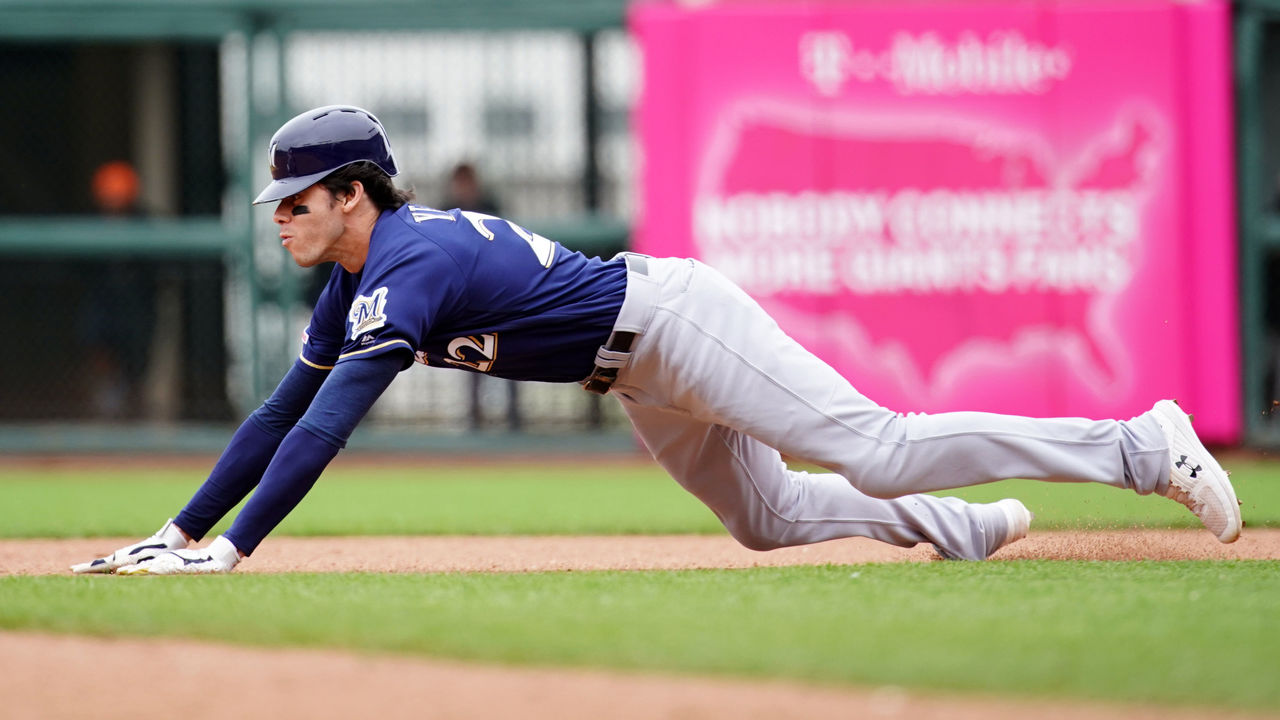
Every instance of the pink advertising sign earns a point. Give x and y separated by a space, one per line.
1021 208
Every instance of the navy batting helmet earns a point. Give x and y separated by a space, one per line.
319 141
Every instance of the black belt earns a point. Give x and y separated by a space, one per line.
602 378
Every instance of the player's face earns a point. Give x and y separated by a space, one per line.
310 224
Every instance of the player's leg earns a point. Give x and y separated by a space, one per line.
712 351
765 505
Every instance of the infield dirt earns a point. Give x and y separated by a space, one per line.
630 552
74 678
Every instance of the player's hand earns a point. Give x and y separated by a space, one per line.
220 557
168 537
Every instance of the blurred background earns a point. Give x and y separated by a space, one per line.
149 307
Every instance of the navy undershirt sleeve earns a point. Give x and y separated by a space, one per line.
306 450
251 448
292 398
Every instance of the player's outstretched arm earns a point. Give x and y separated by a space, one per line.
237 471
251 449
341 403
168 537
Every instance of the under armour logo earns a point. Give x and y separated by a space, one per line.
1182 462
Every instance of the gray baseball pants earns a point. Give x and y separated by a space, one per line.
718 393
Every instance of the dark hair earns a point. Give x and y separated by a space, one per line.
377 184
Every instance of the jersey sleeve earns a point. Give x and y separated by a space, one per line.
398 300
323 338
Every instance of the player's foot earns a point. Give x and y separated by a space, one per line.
1007 521
1195 478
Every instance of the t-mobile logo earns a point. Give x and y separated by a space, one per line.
1005 63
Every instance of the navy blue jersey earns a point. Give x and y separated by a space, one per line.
470 291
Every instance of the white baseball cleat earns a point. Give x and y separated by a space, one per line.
1195 478
1015 526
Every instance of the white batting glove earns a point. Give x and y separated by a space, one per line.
166 538
220 557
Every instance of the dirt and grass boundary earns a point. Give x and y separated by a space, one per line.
63 676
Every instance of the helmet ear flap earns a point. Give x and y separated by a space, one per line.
319 141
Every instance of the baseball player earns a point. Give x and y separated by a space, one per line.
716 391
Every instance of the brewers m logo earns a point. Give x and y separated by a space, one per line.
368 312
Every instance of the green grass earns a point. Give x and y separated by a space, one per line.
450 499
509 499
1185 633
